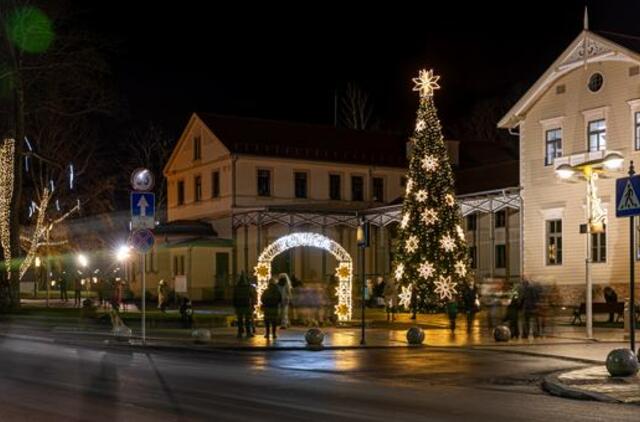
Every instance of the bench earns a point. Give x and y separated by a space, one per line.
598 308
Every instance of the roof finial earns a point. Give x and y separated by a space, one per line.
585 24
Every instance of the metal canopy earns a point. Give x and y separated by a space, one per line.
481 202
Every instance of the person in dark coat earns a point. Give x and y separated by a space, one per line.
470 300
63 288
243 304
77 291
452 313
530 302
511 318
610 296
271 300
186 313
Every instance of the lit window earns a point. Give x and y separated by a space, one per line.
554 242
597 135
553 140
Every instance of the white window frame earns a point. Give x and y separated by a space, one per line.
546 215
593 114
547 125
634 107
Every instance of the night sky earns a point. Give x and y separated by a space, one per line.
284 62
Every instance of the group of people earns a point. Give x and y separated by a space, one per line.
525 315
276 301
110 291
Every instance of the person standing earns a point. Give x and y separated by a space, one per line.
63 288
77 291
286 293
162 295
271 301
391 299
452 313
242 304
470 299
610 297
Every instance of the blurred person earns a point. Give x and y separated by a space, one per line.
63 288
186 313
530 303
77 291
162 296
378 292
391 299
470 301
452 313
271 301
610 297
286 293
512 316
243 305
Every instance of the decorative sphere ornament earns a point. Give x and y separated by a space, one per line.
314 337
415 335
622 363
122 333
502 333
201 336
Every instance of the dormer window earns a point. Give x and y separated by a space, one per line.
197 148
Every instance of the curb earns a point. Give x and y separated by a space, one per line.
552 385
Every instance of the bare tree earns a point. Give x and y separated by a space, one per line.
357 109
149 146
55 77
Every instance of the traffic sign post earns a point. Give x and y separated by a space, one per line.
143 216
143 210
628 205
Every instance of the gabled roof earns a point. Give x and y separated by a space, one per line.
307 142
587 47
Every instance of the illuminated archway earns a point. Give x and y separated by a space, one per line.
344 272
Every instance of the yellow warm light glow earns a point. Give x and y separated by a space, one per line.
123 253
82 259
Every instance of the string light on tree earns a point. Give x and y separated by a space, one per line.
409 185
405 296
461 269
411 244
7 153
445 287
450 200
431 204
421 195
426 83
429 216
429 163
405 220
426 270
447 243
460 233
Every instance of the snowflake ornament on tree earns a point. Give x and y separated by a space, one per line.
429 163
399 271
429 216
405 296
411 244
420 125
426 83
426 270
461 269
450 200
421 195
447 243
409 186
445 287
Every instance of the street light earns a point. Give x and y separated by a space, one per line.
589 166
82 260
123 253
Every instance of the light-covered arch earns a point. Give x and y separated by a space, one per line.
344 270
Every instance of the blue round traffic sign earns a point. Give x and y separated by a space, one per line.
142 240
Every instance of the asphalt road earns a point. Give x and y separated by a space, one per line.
48 381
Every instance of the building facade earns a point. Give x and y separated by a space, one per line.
585 106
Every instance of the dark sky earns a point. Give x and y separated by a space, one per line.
285 61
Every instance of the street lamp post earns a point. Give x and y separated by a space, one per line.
362 237
589 166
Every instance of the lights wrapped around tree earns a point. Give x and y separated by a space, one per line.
344 270
433 270
7 152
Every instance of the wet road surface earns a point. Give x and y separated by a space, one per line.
50 381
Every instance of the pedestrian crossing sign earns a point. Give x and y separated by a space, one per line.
627 194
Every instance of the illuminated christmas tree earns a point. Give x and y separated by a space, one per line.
431 258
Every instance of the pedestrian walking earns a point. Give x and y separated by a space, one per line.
471 304
77 291
530 301
391 299
452 313
63 288
271 301
286 293
243 305
186 313
511 317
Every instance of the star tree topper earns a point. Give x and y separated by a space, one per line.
426 83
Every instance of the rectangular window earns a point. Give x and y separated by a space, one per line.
472 222
597 135
553 142
501 218
501 256
599 247
300 184
215 184
554 242
357 188
636 126
197 148
378 189
334 187
473 255
178 265
197 188
264 183
180 192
